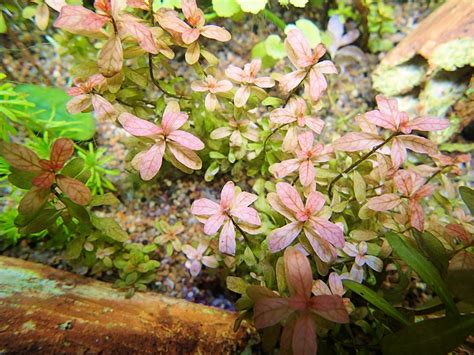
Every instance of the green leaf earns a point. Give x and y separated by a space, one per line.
74 248
3 24
73 168
467 195
433 250
236 284
376 300
109 227
44 219
21 179
107 199
248 257
252 6
424 268
50 113
430 337
360 186
226 8
274 47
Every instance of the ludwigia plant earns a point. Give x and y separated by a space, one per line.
333 214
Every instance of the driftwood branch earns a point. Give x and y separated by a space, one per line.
45 310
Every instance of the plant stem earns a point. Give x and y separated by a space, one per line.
150 65
277 21
240 230
290 95
358 162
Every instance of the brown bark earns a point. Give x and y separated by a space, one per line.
45 310
452 20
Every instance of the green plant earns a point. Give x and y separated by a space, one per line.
95 163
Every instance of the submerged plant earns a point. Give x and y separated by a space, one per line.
337 214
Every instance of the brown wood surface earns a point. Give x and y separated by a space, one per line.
48 311
452 20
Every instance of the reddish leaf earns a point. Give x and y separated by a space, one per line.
355 141
104 110
330 307
20 157
75 190
111 56
61 151
384 202
79 20
298 273
129 25
304 336
44 180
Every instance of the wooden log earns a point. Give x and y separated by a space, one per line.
452 20
45 310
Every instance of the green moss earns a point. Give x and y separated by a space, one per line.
392 81
454 54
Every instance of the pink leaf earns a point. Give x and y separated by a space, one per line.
307 173
417 217
214 223
419 144
278 206
315 202
285 168
384 202
204 207
298 49
404 182
78 104
137 126
215 32
173 121
305 140
323 249
111 57
79 20
185 156
190 35
186 139
227 238
242 95
298 273
247 214
227 194
131 26
317 84
355 141
280 238
398 153
289 197
103 109
429 124
244 199
328 231
291 80
315 124
389 108
330 307
150 161
326 67
304 336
